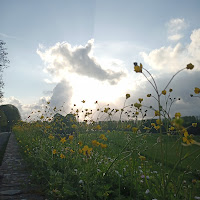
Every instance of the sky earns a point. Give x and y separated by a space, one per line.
67 51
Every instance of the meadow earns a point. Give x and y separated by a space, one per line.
93 159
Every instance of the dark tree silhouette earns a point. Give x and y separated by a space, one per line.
12 114
3 64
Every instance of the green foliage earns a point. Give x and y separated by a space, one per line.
12 115
3 120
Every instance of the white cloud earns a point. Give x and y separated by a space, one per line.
175 27
63 59
170 59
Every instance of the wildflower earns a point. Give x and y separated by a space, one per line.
190 66
51 137
157 113
74 126
153 124
95 143
128 126
134 129
159 122
63 140
170 90
140 100
142 158
171 128
188 138
147 191
197 90
164 92
80 151
128 96
98 127
71 137
106 110
48 102
86 150
62 156
194 124
146 128
42 117
54 151
103 137
156 127
177 115
148 95
138 69
103 146
72 151
137 105
83 101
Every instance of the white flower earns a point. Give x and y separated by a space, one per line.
81 182
147 191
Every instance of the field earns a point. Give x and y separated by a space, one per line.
110 165
79 156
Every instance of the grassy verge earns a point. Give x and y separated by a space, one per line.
4 141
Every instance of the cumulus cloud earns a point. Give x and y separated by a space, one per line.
170 59
175 26
63 58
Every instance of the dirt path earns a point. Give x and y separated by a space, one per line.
14 178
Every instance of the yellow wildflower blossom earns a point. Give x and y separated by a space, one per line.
128 96
138 69
103 137
134 129
71 137
140 100
63 140
197 90
103 146
188 138
137 105
159 122
142 158
153 124
54 152
95 143
148 95
62 156
51 137
190 66
80 143
86 150
170 90
74 126
157 113
156 127
164 92
98 127
194 124
171 128
177 115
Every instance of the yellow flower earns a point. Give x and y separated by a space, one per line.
171 128
98 127
146 128
153 124
190 66
148 95
74 126
170 90
54 151
72 151
159 122
156 127
80 151
188 138
142 158
134 129
128 96
62 156
140 100
51 137
128 126
42 117
164 92
103 146
83 101
71 137
157 113
63 140
138 69
194 124
86 150
95 143
177 115
103 137
196 90
137 105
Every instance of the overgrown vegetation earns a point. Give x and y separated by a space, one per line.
133 159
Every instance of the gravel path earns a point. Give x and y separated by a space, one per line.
14 178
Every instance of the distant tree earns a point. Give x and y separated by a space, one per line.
3 121
12 114
3 64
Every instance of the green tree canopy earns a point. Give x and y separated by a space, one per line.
3 120
12 114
